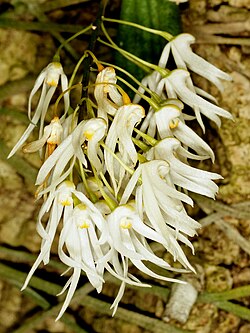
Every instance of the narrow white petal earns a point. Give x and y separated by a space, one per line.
51 161
44 107
130 186
74 281
148 271
37 85
64 81
164 56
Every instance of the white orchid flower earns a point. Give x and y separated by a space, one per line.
129 233
81 227
86 250
84 247
91 132
48 79
183 175
185 58
149 124
176 86
106 94
59 203
52 135
157 198
94 132
120 134
169 122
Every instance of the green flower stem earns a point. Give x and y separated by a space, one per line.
92 196
79 33
141 144
106 183
109 201
154 96
135 61
152 141
164 34
72 78
143 64
128 169
150 101
147 66
125 54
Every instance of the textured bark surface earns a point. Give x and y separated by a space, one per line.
222 29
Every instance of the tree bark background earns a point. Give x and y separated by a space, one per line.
222 29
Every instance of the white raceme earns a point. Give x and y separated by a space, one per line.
111 190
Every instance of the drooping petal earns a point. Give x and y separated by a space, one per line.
181 45
52 160
177 80
37 85
64 81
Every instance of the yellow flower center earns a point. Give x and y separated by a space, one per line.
84 225
66 202
125 223
52 83
173 123
88 135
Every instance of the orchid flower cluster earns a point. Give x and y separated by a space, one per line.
117 181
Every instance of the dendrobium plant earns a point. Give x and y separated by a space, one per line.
115 175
